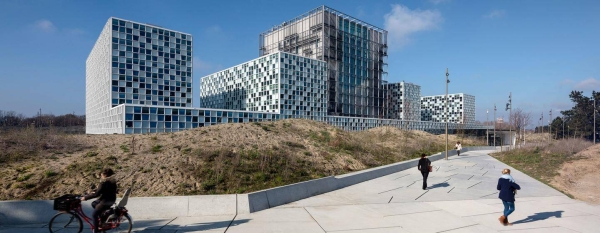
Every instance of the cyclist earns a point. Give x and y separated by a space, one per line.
107 193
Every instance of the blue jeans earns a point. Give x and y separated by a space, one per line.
509 207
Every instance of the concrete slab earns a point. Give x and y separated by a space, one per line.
351 217
202 224
435 221
466 208
277 220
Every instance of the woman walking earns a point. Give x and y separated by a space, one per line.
424 164
508 188
458 147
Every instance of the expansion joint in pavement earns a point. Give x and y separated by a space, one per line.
314 220
421 195
474 185
458 228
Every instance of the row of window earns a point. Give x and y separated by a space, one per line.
146 28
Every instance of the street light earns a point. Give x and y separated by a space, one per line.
549 127
509 107
494 126
447 111
487 118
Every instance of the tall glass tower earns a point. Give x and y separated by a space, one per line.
355 52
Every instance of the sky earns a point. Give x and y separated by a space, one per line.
537 50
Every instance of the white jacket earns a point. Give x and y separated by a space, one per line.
458 146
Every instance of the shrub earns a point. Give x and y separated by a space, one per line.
156 149
124 148
50 173
91 154
25 177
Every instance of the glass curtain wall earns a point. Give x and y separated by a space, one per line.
355 52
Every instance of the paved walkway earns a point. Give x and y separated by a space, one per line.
462 197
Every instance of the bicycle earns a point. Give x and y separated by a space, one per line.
68 219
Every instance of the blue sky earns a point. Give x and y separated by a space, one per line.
538 50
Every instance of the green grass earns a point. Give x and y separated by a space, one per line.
535 163
157 148
50 173
25 177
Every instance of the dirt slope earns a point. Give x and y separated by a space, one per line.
581 178
228 158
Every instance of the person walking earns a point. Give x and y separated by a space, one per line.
458 147
508 188
424 166
106 193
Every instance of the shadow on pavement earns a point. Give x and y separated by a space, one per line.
438 185
148 226
540 216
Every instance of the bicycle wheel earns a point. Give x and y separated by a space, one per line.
123 226
65 222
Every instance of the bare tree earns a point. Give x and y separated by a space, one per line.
519 121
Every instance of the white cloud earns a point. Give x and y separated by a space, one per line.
495 14
45 25
590 84
401 22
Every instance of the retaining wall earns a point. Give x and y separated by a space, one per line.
28 212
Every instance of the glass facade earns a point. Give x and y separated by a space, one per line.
283 83
153 119
461 108
150 65
355 52
405 101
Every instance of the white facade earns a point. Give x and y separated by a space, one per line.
135 63
405 101
461 108
99 117
284 83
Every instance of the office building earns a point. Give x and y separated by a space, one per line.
461 108
355 53
405 101
282 83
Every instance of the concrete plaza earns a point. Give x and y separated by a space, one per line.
461 197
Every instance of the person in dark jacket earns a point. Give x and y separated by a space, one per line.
508 188
423 166
106 193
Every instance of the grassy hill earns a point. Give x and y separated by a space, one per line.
220 159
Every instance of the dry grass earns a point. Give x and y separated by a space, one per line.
543 161
228 158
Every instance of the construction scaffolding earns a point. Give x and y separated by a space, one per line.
355 51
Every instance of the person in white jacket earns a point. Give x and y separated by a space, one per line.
458 147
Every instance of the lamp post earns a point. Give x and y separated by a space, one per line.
509 107
494 126
447 111
487 118
550 127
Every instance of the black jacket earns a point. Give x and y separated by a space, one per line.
507 189
107 192
424 164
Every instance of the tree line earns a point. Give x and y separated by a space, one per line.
14 119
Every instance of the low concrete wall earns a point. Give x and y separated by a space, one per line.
28 212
